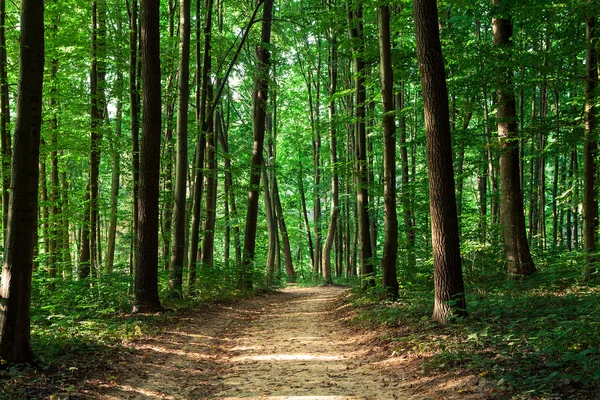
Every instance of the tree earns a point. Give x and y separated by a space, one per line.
259 114
15 290
390 244
146 266
180 220
356 33
590 152
448 282
518 257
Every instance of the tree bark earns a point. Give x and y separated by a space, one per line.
335 212
390 242
448 282
179 204
356 33
518 257
15 289
134 98
146 268
5 136
259 104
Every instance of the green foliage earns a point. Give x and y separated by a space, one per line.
533 337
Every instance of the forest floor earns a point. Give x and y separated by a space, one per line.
293 344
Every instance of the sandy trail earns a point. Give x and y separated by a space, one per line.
282 346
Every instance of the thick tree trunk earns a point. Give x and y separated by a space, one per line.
518 257
390 243
15 289
590 150
271 229
146 268
448 282
181 165
259 105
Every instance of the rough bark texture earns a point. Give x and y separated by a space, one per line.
146 267
259 104
448 281
179 217
15 291
518 257
390 242
590 150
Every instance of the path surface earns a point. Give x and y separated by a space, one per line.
282 346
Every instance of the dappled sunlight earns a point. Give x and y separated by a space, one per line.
293 398
137 391
288 357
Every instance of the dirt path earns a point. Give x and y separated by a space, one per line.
282 346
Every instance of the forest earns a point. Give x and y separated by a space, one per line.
439 158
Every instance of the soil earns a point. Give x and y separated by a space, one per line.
292 345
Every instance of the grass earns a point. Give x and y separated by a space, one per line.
536 338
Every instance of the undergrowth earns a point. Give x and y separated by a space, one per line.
536 338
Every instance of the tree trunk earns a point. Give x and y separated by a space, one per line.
179 203
390 242
366 252
115 147
305 215
15 289
5 135
134 99
334 214
146 268
203 81
448 282
518 257
210 207
259 105
287 250
590 150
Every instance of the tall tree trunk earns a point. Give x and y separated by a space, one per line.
15 289
65 231
179 203
271 229
115 147
259 105
448 281
366 252
202 84
390 243
210 207
146 268
518 257
335 212
54 255
590 150
169 150
134 99
5 136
